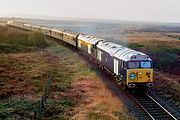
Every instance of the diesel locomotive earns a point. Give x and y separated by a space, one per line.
132 68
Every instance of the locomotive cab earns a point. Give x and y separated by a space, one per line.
139 74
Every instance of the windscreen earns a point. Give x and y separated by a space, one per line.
145 64
133 65
139 64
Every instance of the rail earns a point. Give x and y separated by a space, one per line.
151 107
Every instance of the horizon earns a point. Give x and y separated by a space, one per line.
56 18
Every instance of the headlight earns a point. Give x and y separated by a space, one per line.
132 76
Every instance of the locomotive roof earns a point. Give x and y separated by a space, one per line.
89 39
108 46
122 53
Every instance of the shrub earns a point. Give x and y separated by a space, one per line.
12 40
163 57
7 48
135 46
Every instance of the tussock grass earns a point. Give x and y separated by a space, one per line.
25 109
164 57
71 66
13 40
25 76
135 46
16 109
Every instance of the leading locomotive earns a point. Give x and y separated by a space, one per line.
133 69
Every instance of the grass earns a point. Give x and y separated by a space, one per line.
164 57
100 116
28 77
13 40
16 109
71 66
24 73
26 109
135 46
172 36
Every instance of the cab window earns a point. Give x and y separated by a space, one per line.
145 64
133 65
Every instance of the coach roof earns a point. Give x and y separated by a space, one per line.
89 39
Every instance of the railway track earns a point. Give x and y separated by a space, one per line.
151 107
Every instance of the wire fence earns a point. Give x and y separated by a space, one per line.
40 108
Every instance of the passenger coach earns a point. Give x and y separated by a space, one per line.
70 37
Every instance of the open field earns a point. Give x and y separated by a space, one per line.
75 90
154 39
2 23
163 48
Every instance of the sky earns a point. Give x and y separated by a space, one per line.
132 10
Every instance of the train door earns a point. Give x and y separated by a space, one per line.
116 67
